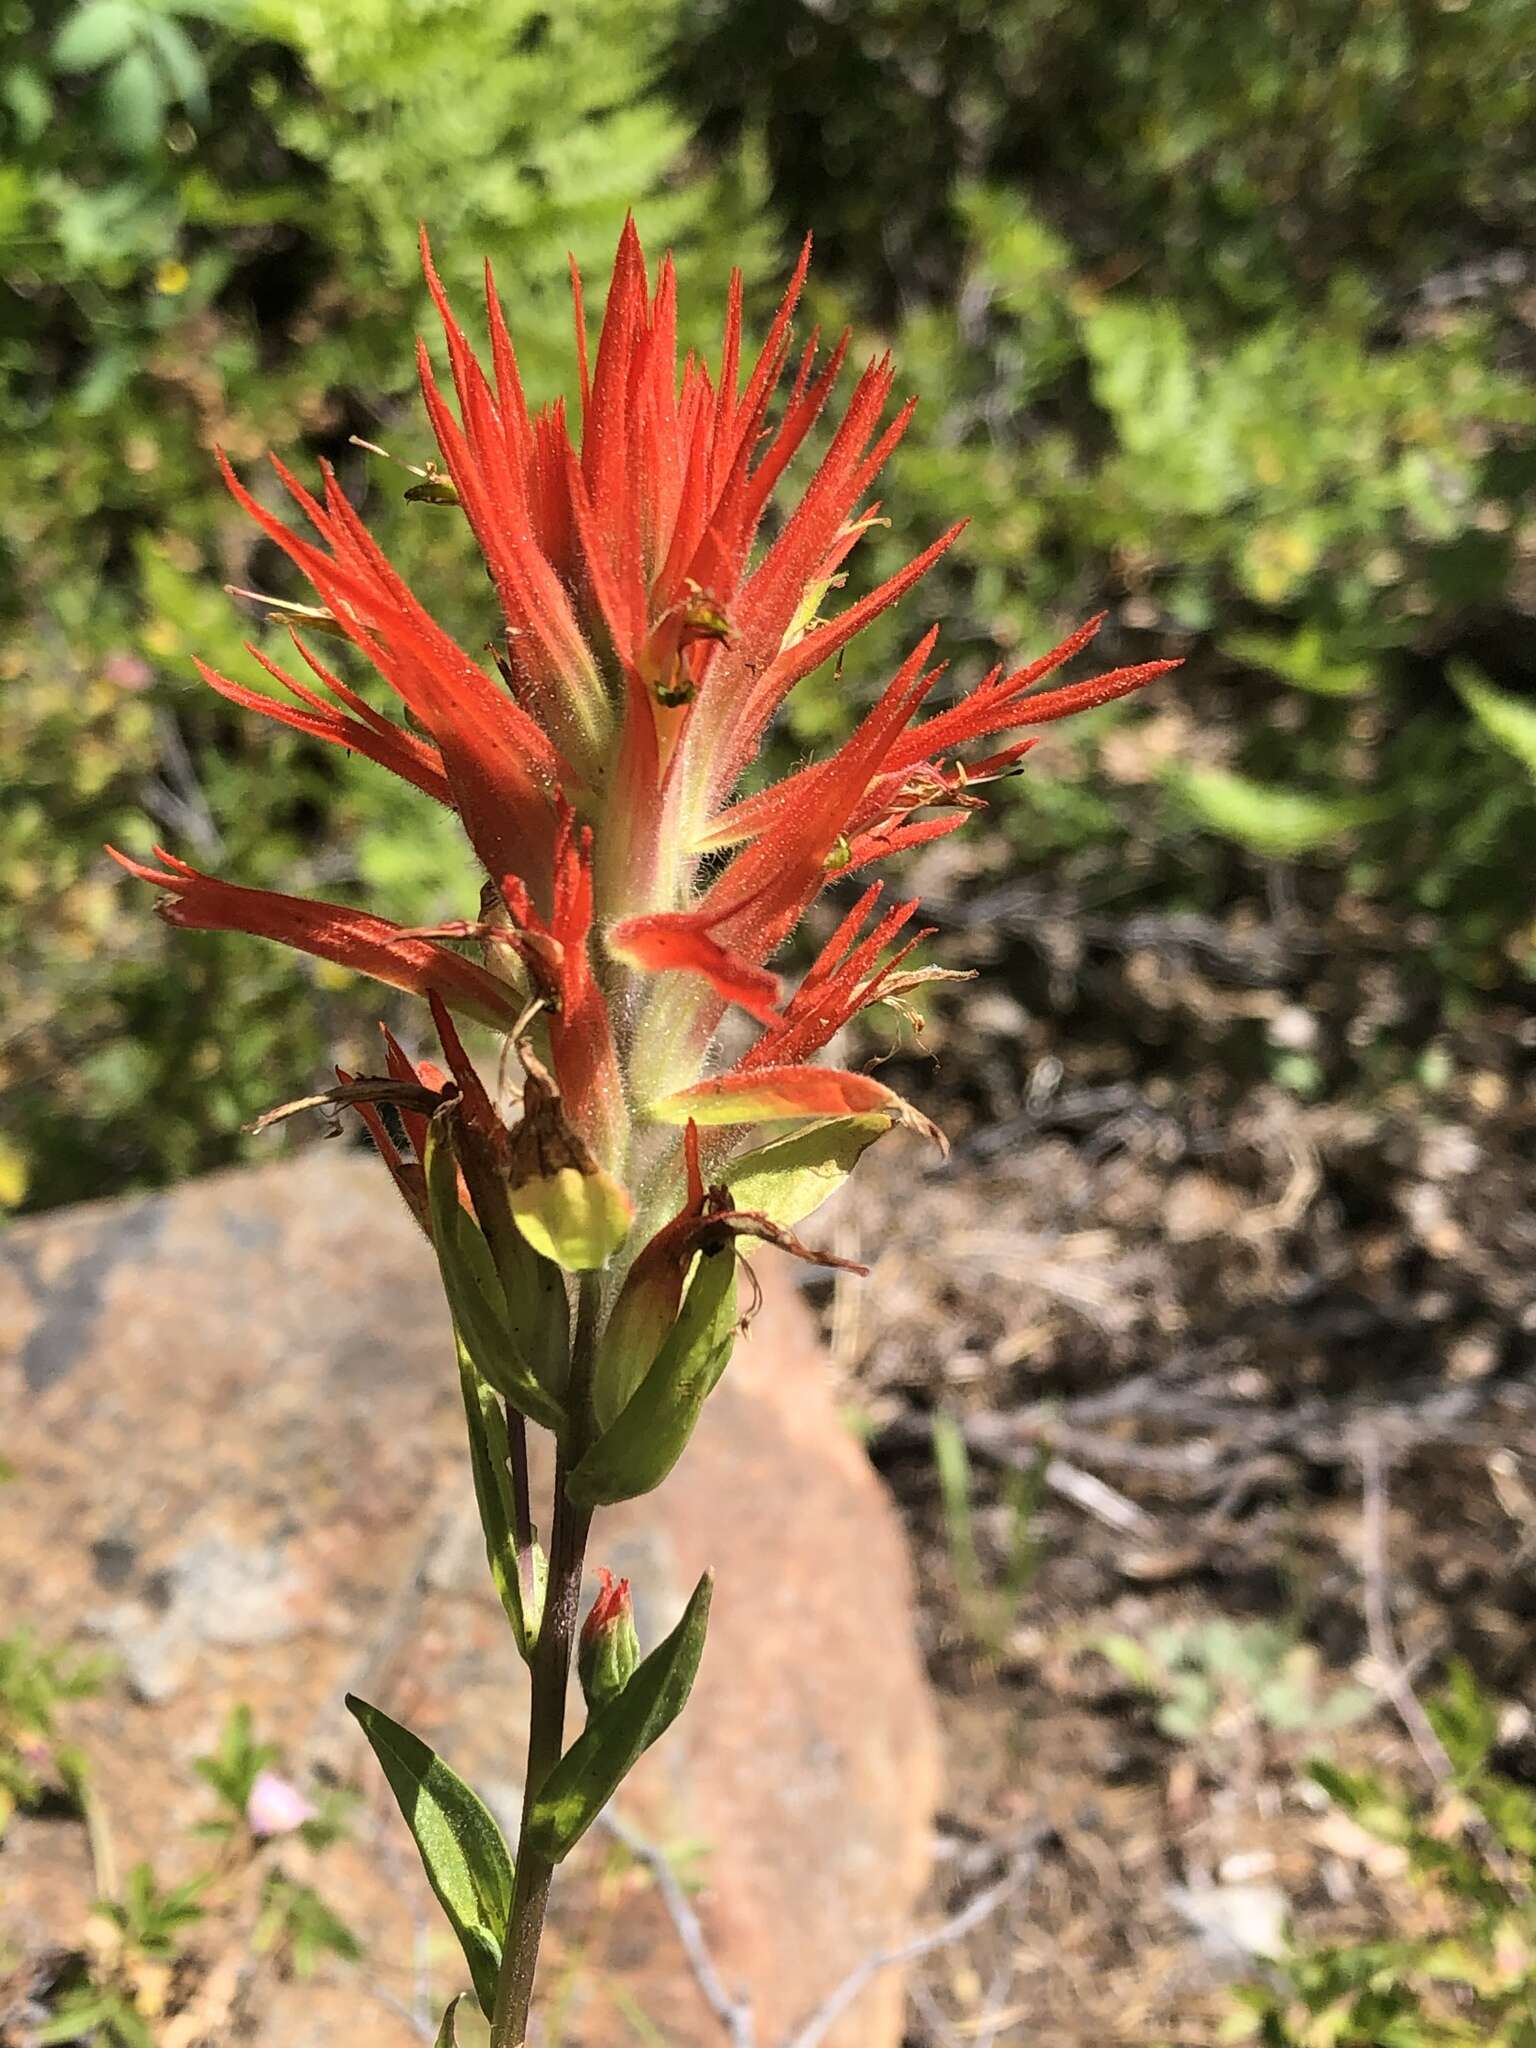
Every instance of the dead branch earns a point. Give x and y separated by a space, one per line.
733 2013
1378 1612
814 2030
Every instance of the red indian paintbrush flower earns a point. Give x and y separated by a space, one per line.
648 635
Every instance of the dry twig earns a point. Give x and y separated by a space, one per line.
1378 1613
814 2030
734 2014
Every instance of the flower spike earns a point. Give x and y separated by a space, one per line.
643 637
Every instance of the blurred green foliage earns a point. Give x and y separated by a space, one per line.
1221 317
1320 521
209 210
1463 1972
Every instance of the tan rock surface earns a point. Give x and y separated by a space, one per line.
238 1447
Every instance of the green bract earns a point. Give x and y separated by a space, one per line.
577 1219
640 1448
475 1296
789 1178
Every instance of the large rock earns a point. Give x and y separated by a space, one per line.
236 1433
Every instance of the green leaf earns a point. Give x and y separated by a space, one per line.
28 101
789 1178
135 102
618 1735
95 34
1307 658
447 2036
462 1851
1465 1720
233 1768
474 1292
648 1436
1133 1661
181 63
490 1464
1271 820
1509 719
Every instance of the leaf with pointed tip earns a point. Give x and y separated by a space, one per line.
618 1735
789 1178
1505 717
645 1440
447 2035
461 1848
1270 819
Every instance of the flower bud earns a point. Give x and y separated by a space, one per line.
609 1649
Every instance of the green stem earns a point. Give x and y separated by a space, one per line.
546 1713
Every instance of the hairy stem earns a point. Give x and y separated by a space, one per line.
546 1714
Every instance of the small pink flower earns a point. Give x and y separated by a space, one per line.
275 1807
127 671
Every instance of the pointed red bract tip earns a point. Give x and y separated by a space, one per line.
610 1605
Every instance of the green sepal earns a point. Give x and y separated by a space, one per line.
490 1463
640 1447
532 1288
461 1848
618 1735
538 1309
789 1178
474 1292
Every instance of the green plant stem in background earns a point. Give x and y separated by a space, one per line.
551 1672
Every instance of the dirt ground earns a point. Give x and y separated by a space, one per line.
1279 1351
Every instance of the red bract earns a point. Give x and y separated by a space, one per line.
611 1605
648 634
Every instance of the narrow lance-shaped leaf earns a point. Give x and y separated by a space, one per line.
618 1735
447 2033
490 1465
637 1451
789 1178
473 1287
1276 822
1505 717
461 1848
